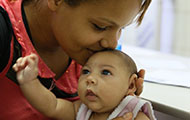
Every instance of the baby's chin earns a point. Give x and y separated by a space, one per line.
99 109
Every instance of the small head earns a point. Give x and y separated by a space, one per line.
83 27
106 78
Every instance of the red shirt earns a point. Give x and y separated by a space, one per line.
13 105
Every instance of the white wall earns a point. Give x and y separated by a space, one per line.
181 44
147 34
165 28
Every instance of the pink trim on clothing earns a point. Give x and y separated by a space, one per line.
128 104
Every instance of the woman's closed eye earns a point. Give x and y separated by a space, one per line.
106 72
100 28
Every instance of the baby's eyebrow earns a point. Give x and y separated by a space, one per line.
86 66
108 66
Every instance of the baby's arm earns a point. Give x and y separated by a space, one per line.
38 96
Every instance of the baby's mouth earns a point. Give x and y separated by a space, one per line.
90 95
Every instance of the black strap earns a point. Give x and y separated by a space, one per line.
6 33
5 38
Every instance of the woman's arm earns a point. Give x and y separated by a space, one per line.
38 96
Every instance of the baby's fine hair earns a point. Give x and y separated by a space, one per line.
127 60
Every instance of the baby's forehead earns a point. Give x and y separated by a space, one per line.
110 53
116 54
107 56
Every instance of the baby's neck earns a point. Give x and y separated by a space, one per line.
99 116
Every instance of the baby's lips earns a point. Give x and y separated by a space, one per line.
90 93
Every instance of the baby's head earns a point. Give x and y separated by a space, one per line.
106 78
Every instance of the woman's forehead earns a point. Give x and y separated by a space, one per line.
121 12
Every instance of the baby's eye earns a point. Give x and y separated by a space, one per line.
106 72
85 71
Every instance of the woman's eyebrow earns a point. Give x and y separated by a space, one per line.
110 21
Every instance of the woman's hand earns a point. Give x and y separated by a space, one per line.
127 116
139 82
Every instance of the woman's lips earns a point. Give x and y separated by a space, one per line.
94 50
90 95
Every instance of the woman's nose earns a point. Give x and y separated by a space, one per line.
110 41
91 80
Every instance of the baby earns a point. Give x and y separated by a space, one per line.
105 86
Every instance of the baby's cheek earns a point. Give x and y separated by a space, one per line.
80 89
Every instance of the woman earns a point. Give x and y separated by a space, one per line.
60 32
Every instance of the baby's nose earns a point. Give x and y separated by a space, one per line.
91 80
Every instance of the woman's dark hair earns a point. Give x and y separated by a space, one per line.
142 11
75 3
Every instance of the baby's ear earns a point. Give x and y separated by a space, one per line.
54 4
132 85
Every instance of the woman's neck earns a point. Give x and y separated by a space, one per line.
58 61
39 21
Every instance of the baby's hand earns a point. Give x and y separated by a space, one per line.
26 68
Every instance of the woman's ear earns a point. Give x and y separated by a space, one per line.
132 85
54 4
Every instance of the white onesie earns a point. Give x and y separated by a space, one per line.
128 104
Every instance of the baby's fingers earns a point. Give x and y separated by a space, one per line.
20 64
33 58
15 67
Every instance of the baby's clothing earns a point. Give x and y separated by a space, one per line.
128 104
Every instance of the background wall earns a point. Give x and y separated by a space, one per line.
165 28
181 44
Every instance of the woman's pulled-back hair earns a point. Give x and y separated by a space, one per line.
75 3
142 11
